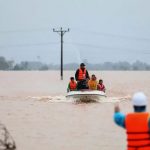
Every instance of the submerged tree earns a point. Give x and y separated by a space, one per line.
6 140
3 64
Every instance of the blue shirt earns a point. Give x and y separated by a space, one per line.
119 119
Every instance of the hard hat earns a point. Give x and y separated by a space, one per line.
139 99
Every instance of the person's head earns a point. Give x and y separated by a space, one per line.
93 77
139 101
100 81
72 79
82 65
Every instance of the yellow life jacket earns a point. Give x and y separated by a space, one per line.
92 84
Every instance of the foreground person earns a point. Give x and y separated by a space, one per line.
72 86
137 124
82 76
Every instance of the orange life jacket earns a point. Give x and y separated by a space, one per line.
138 133
73 85
82 74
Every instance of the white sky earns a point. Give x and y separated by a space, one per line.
100 30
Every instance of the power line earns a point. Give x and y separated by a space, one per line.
28 45
24 30
98 47
81 31
61 32
107 47
113 35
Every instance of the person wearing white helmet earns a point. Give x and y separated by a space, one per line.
137 124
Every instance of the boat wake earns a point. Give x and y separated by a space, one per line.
64 99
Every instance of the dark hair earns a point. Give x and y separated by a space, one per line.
100 80
82 64
139 108
71 78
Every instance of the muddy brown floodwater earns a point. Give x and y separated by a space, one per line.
37 122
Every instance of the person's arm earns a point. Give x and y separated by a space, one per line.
89 84
104 90
76 88
96 85
76 75
87 75
68 89
149 123
119 118
117 108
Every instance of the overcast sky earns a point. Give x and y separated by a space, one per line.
100 30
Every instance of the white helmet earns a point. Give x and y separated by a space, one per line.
139 99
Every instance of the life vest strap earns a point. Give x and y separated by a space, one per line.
147 132
139 146
141 139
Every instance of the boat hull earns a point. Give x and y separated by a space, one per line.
86 95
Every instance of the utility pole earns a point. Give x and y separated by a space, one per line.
61 32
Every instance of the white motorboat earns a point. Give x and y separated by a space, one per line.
86 95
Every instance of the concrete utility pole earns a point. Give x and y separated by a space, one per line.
61 32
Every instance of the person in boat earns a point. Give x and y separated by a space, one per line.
82 77
72 86
137 124
101 86
92 83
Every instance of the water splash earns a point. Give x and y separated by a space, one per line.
62 98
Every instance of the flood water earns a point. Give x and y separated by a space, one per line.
34 109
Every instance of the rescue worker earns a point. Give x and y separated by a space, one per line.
72 86
92 83
101 86
137 124
82 77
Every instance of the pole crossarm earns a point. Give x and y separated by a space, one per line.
61 31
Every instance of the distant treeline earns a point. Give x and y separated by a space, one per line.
36 65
